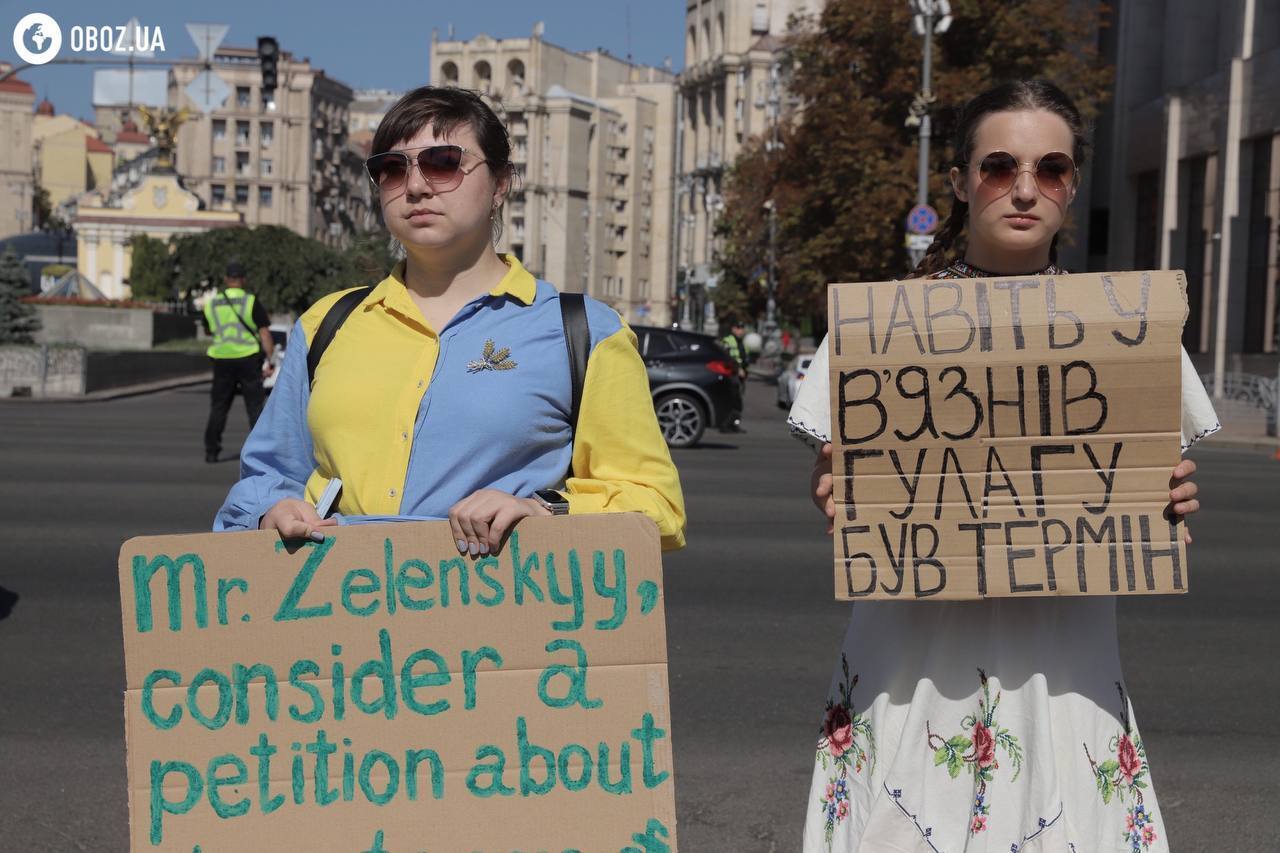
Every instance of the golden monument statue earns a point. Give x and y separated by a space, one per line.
163 124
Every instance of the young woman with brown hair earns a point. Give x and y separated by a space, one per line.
1001 724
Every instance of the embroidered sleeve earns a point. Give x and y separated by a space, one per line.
810 416
1198 417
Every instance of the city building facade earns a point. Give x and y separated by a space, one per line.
158 206
731 88
366 112
69 157
17 179
592 138
284 160
1187 174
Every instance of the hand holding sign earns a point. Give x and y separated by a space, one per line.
378 691
1008 436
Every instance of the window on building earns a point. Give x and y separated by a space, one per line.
217 194
1258 258
1146 221
242 133
243 97
219 165
242 163
219 129
264 196
266 133
266 166
242 193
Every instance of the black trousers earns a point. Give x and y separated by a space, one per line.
229 376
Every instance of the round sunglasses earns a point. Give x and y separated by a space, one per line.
1055 173
440 166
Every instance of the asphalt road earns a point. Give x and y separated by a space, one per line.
752 630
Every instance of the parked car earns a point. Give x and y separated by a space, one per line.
693 381
789 380
280 335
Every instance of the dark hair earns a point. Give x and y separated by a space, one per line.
1035 94
445 109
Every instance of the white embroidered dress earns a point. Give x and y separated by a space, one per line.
997 725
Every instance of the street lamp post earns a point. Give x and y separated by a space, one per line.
771 343
930 16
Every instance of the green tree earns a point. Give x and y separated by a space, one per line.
151 269
845 175
18 320
286 271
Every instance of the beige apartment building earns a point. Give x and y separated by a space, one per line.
17 101
70 158
592 137
730 90
282 162
366 112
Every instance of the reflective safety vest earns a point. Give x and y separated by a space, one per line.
735 352
230 316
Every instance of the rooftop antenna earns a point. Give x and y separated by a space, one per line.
628 33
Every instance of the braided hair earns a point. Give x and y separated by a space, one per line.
1038 94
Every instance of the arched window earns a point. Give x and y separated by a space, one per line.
515 77
706 38
691 47
720 34
449 72
483 77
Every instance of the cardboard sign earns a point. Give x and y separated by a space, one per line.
377 692
1006 436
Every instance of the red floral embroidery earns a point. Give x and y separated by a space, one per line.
839 751
978 752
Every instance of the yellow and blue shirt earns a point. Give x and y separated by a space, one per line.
413 419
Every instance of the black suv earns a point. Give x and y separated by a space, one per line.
693 381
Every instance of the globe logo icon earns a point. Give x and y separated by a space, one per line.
37 38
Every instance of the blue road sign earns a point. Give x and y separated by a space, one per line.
922 219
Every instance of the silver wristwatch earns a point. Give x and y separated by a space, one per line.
555 503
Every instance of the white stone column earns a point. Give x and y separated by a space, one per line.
117 263
90 256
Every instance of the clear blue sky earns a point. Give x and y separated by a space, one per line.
378 44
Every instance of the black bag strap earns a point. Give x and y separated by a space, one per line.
577 340
329 326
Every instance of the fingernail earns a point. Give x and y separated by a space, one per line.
474 548
462 546
484 549
316 536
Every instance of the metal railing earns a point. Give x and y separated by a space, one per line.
1249 393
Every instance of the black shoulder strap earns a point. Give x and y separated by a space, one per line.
577 340
253 333
329 326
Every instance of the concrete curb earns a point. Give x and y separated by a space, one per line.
118 393
1262 443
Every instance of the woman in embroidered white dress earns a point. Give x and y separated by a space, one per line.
996 725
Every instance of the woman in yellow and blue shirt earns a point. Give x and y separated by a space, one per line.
447 391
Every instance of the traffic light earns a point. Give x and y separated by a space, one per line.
268 56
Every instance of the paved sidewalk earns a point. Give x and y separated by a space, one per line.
117 393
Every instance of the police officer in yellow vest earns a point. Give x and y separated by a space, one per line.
735 345
241 354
